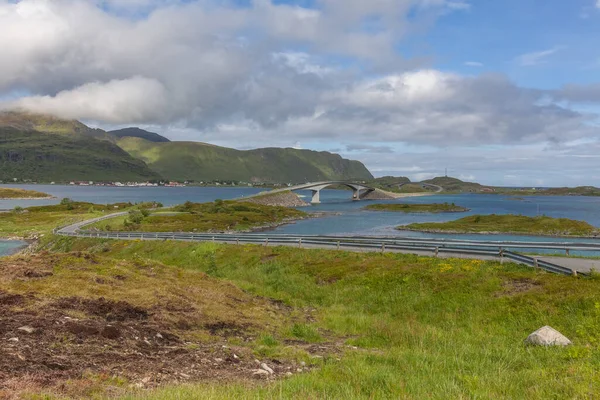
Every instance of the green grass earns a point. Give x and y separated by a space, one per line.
40 220
515 224
417 208
11 193
413 327
218 216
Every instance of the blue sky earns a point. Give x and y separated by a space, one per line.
503 92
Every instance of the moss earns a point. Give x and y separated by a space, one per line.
417 208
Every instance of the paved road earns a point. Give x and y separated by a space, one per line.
425 247
578 264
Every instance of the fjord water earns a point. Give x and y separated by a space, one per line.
9 246
347 217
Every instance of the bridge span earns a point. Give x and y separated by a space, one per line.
359 190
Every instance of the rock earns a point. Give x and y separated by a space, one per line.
159 336
27 329
302 363
260 373
235 356
265 367
13 339
289 373
146 380
547 336
219 360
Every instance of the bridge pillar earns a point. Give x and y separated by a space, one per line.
355 194
316 196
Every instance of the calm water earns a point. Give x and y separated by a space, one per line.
352 220
7 247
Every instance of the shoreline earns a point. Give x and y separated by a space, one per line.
488 233
28 198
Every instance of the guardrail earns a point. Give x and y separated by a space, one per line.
428 246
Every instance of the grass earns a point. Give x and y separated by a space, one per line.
414 327
40 220
514 224
417 208
218 216
11 193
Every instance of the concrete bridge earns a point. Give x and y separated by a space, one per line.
359 190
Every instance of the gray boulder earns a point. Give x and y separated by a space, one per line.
547 336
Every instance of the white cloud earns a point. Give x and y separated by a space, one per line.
476 64
536 58
597 3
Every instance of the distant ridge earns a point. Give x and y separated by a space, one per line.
46 148
139 133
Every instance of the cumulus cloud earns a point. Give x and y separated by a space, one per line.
269 73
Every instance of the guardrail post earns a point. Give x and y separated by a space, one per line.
567 251
266 242
213 238
383 247
338 245
574 272
300 242
437 250
141 237
237 241
536 264
501 254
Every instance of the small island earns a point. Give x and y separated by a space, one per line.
433 208
21 194
509 224
218 216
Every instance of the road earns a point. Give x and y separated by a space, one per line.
442 248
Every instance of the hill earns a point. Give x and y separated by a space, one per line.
139 133
450 184
33 155
204 162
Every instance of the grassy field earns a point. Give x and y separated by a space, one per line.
12 193
417 208
219 216
40 220
368 325
515 224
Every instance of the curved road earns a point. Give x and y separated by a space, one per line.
443 248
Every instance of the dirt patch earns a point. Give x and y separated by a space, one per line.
107 309
516 286
25 268
113 339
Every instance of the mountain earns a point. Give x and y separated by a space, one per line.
139 133
204 162
41 148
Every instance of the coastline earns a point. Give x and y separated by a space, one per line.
29 198
492 233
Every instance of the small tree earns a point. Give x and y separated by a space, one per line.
18 209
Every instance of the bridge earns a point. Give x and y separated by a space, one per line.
359 191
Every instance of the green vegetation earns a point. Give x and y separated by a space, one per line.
12 193
52 157
205 162
563 191
457 186
139 133
40 220
219 216
389 325
417 208
515 224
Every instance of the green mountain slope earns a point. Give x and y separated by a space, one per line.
204 162
139 133
46 157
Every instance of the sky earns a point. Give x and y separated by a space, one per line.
500 92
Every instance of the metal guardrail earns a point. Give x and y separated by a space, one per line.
435 247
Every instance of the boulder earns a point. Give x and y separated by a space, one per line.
547 336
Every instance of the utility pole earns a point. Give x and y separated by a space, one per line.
446 172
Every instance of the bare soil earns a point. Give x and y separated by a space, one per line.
67 345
